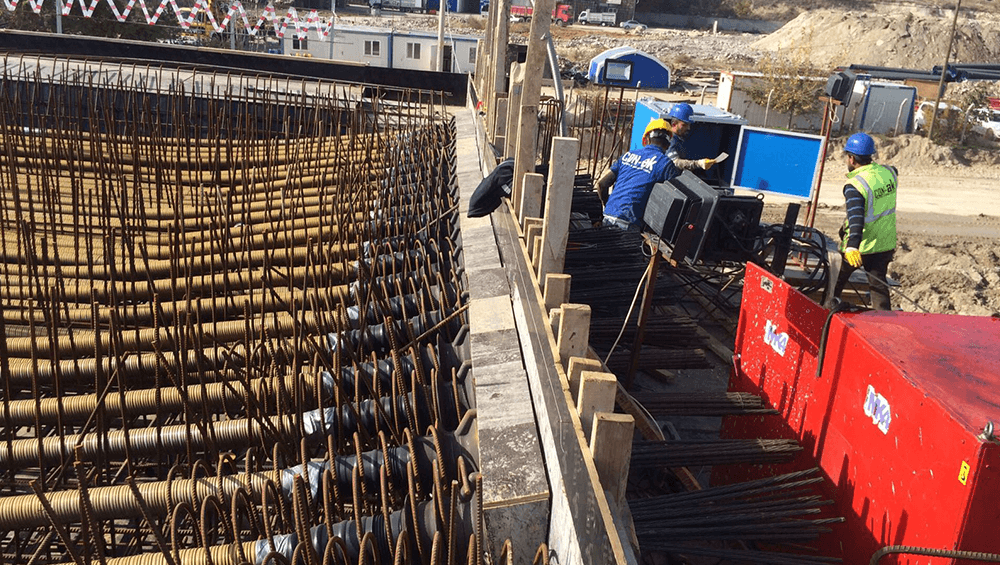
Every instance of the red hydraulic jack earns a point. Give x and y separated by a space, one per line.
897 408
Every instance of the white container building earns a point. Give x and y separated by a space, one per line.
394 49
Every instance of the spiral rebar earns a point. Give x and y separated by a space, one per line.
233 322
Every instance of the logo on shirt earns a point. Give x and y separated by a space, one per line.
889 188
636 161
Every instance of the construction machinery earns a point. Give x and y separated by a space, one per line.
561 14
898 409
197 26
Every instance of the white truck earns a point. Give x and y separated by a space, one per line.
602 18
376 6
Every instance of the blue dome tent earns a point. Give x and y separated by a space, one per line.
627 66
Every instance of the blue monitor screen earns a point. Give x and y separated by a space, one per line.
778 162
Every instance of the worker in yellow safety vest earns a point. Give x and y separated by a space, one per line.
868 238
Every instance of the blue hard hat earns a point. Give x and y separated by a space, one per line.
682 112
860 144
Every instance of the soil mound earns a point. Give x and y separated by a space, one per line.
828 39
958 277
912 152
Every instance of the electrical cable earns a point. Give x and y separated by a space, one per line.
642 282
897 291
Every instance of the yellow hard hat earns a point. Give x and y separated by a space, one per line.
656 124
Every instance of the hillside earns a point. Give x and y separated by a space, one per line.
828 38
785 10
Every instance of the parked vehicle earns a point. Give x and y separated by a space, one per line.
200 29
632 24
989 119
947 114
601 18
561 14
420 6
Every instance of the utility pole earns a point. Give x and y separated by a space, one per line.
947 56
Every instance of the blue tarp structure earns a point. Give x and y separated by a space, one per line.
627 66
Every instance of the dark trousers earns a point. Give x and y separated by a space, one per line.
876 265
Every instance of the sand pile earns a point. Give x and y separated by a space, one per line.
828 39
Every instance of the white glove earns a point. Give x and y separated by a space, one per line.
706 163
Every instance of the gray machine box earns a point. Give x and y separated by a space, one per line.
665 211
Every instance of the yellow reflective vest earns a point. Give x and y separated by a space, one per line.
877 185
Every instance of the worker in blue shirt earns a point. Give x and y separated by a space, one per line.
632 177
680 124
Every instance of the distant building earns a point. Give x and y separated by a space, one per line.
379 47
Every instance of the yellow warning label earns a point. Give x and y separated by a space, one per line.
963 473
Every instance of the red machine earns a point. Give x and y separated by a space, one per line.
900 418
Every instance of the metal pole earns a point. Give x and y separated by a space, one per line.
59 10
828 113
440 57
947 55
333 17
557 81
644 311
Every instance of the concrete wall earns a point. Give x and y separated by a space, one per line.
455 85
516 495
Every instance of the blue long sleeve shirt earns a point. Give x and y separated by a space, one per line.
635 174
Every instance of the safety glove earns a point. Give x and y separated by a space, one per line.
706 163
853 257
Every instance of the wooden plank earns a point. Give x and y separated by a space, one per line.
558 201
577 365
524 151
532 234
500 121
513 110
555 318
498 60
556 290
527 135
574 332
536 256
582 529
531 196
597 394
611 444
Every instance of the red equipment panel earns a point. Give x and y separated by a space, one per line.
895 419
